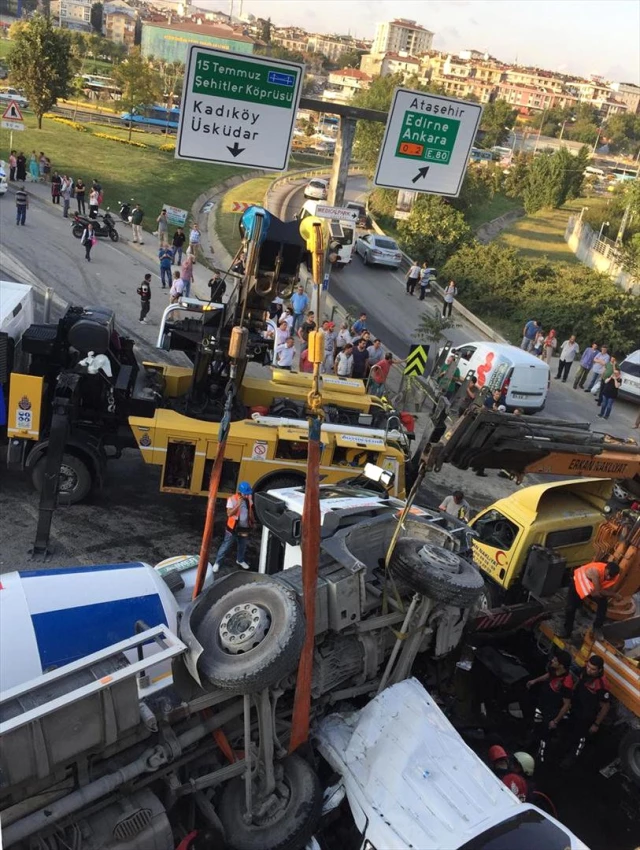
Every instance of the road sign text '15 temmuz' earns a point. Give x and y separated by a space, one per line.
238 109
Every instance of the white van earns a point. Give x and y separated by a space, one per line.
630 369
522 377
346 241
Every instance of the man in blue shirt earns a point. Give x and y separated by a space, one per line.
359 326
165 255
586 362
300 305
529 334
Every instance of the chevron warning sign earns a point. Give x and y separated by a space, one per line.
416 360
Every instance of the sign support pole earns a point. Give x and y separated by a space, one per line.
341 159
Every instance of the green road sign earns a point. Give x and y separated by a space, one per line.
427 142
238 109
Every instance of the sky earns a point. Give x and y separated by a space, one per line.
571 36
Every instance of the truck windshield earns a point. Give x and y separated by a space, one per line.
523 832
495 529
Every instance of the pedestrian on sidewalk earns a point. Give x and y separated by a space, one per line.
42 162
569 350
186 273
177 288
21 168
88 240
299 303
22 204
426 274
285 352
137 216
144 291
359 326
360 360
597 369
165 255
94 203
80 195
194 238
328 331
549 346
178 244
413 276
377 384
66 191
529 332
586 362
12 166
163 228
343 338
47 169
306 327
56 182
34 169
610 389
450 292
344 362
608 372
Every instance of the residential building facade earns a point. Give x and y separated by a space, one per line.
330 46
344 84
72 14
402 36
120 26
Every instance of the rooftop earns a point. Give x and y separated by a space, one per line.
204 29
356 73
412 25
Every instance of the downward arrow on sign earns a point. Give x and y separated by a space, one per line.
235 150
422 172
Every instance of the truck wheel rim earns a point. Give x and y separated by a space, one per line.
440 557
68 479
243 627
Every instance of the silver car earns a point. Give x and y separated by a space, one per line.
378 250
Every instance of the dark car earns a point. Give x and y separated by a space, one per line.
363 218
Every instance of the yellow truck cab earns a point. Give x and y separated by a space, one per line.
528 540
268 452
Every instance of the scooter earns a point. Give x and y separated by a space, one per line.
104 228
125 210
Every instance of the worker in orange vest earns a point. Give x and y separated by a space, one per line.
594 580
239 522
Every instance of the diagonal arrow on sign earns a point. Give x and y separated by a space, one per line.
422 172
416 360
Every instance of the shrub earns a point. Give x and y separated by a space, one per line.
122 141
75 125
168 146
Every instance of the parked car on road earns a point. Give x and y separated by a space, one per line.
3 180
378 250
630 369
8 95
317 189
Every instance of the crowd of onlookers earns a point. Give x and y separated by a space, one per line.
597 371
350 351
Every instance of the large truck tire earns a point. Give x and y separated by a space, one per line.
252 638
629 753
75 482
436 572
289 827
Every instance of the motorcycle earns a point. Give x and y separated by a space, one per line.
102 229
125 210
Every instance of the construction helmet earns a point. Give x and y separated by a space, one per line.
527 763
245 488
497 752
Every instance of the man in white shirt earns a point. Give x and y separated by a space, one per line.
569 350
344 362
285 354
413 276
456 505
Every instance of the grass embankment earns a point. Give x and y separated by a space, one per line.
152 176
542 234
493 208
250 192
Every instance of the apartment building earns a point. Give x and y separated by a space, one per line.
330 46
402 36
343 84
119 26
535 78
72 14
629 94
295 40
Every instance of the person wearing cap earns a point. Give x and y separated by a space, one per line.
554 698
594 580
499 760
590 705
239 523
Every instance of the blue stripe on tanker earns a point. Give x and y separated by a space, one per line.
67 571
67 635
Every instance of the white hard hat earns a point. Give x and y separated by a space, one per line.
527 763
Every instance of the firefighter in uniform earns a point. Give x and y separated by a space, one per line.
594 580
239 522
554 699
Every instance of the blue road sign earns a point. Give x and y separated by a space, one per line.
281 79
325 283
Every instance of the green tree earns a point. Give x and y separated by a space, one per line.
622 132
265 31
350 59
139 82
497 119
515 180
41 63
97 11
433 231
553 178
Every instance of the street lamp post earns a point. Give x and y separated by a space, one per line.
602 227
